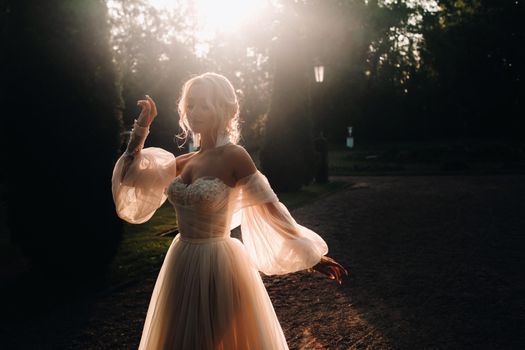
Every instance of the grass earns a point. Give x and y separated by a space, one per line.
429 158
142 249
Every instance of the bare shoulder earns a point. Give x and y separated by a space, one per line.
185 155
181 160
240 161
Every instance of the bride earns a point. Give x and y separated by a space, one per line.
209 293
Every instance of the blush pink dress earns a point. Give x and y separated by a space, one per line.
209 293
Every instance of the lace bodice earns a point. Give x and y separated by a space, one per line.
205 193
202 207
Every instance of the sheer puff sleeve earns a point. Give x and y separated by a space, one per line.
275 242
140 190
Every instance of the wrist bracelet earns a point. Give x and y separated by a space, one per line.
138 130
137 125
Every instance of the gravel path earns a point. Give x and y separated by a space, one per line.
435 262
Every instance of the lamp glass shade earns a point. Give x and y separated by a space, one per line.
319 73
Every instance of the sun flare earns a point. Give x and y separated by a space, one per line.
214 16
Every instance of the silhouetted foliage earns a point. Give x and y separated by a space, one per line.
153 60
394 70
63 139
474 50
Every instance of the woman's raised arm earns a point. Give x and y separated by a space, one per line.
139 132
141 175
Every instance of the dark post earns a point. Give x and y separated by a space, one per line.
321 149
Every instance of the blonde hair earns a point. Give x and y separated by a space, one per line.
223 102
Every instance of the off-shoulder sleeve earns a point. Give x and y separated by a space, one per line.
141 189
275 242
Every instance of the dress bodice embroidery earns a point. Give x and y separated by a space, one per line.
204 192
202 207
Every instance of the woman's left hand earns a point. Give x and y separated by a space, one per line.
148 113
331 268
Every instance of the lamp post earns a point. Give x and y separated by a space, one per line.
319 78
321 145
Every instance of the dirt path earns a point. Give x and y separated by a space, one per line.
435 263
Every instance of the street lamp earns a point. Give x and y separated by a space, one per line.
319 74
320 143
319 78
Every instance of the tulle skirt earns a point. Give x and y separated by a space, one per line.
208 295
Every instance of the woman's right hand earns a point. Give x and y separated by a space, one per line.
330 268
148 113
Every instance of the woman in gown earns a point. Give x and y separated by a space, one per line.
209 293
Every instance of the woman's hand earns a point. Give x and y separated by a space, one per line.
331 268
148 113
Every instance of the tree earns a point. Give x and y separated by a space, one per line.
153 53
64 122
474 48
287 154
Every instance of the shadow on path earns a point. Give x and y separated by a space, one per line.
435 262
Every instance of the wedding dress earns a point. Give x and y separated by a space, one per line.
209 293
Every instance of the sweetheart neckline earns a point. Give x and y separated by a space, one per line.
206 177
